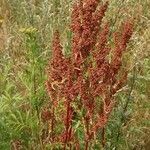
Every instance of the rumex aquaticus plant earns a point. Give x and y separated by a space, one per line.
82 87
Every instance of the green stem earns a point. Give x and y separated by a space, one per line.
122 120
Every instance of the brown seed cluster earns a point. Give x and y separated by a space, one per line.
89 79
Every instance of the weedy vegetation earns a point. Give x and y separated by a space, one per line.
74 74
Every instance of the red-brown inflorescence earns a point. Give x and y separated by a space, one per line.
89 79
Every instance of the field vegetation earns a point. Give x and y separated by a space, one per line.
29 38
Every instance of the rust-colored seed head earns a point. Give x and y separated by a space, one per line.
88 80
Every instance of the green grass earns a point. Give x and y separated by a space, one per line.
26 29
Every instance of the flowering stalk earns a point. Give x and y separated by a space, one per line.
88 79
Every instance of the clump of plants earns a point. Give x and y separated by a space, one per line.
82 87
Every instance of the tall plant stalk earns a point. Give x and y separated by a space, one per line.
87 78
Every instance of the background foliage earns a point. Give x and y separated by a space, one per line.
26 28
